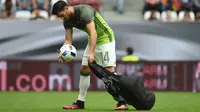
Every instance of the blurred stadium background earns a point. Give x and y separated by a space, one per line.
163 35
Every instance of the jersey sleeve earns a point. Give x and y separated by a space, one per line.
87 14
67 25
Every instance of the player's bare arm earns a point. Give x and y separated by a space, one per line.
68 36
68 40
93 37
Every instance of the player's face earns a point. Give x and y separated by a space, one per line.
64 14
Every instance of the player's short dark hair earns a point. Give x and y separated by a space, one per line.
58 6
129 50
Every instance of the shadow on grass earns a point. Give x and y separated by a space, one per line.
98 110
77 110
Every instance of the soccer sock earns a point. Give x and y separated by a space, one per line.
84 84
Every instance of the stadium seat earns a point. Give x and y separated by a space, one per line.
44 14
94 3
147 15
52 18
25 15
182 13
75 2
173 15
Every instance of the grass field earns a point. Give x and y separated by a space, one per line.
96 102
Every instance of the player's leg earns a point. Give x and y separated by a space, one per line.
84 83
105 56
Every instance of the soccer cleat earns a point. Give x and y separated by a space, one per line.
77 105
121 107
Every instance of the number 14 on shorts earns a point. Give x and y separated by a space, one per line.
105 57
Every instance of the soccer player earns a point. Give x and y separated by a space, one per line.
101 44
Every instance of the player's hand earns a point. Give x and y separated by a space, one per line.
59 56
91 58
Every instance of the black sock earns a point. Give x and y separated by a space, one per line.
80 104
121 103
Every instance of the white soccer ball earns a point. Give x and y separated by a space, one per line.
68 52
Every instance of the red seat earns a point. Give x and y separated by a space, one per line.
93 3
75 2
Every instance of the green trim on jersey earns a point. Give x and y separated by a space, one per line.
104 32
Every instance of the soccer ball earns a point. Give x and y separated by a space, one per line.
68 53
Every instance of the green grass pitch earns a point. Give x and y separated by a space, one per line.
95 102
